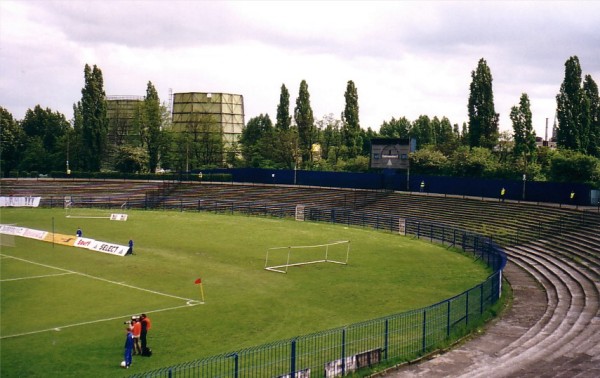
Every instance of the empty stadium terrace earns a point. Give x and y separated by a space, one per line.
553 326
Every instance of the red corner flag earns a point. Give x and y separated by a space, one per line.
198 281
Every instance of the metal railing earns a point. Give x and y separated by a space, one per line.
339 351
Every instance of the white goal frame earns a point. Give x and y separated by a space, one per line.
68 205
283 268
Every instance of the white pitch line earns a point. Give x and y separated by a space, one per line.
101 320
101 279
32 277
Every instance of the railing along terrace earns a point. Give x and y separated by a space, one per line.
343 350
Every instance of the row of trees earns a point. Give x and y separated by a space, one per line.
44 140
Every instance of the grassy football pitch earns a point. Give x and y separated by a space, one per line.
63 308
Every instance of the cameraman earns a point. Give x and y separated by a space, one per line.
146 324
136 331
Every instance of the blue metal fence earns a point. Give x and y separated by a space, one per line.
517 190
397 337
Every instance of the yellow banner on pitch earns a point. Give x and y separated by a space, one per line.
62 239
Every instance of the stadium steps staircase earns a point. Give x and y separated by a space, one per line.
569 329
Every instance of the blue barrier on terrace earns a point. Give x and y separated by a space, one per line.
534 191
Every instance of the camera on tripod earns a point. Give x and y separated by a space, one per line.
135 318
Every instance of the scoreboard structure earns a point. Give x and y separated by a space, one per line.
391 153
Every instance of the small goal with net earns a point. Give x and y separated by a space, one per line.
279 259
94 209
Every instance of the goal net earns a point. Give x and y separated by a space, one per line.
91 208
279 259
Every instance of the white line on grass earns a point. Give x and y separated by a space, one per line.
100 279
188 302
32 277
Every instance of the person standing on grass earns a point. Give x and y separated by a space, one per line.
79 233
136 331
502 193
146 324
130 250
128 347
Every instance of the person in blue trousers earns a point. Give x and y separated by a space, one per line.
128 347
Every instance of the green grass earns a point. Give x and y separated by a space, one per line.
75 319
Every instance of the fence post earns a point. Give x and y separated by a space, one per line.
481 300
424 344
467 309
443 234
236 365
386 338
343 352
293 359
448 321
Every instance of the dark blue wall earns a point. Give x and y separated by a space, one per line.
390 180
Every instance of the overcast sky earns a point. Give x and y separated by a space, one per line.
406 58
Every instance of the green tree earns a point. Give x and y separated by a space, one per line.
367 135
571 105
95 123
331 139
256 140
286 152
152 131
573 166
590 89
422 130
447 138
207 143
464 135
483 119
46 124
303 115
474 162
51 128
35 157
74 140
284 120
395 128
428 160
12 142
523 133
286 138
350 121
131 159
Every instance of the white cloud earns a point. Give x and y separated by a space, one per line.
406 58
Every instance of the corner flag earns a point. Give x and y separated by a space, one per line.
199 282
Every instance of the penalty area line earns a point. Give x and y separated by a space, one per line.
102 279
190 303
33 277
